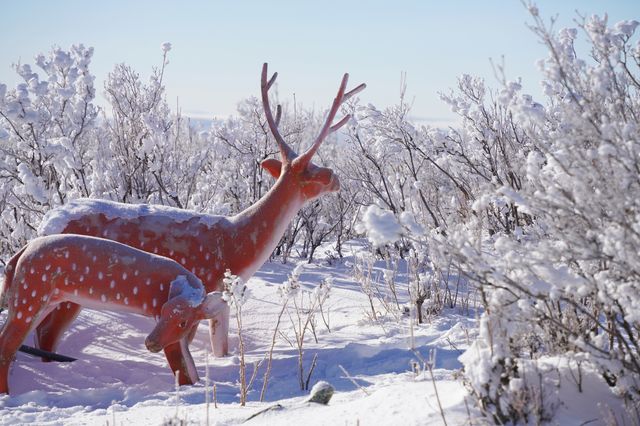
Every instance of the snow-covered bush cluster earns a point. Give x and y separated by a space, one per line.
537 202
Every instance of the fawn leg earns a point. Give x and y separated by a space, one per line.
219 331
181 362
53 326
14 331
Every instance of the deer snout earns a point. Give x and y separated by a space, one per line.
152 344
334 186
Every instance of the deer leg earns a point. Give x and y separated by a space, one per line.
181 362
53 326
15 329
219 331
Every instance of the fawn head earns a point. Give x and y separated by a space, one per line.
187 305
311 180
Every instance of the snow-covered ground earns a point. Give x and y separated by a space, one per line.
116 378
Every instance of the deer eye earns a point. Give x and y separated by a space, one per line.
183 324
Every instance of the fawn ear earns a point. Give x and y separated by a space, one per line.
177 286
273 166
213 304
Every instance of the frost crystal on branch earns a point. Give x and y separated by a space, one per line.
235 291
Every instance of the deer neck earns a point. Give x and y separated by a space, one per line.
259 228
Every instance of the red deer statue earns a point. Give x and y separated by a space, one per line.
53 271
206 245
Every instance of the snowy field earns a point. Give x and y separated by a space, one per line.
115 377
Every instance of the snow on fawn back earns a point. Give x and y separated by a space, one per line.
106 275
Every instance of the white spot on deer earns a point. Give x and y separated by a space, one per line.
32 271
118 296
100 275
94 258
81 278
201 271
66 254
201 248
15 303
124 275
154 302
112 284
144 306
86 270
193 270
147 281
56 291
30 308
103 298
90 290
207 256
24 301
74 266
183 261
46 268
33 293
41 256
126 300
209 276
25 286
68 305
136 273
28 320
44 277
105 233
19 314
58 270
135 291
75 292
171 252
66 280
155 250
58 307
161 287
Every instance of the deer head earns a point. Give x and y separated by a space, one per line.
187 305
298 170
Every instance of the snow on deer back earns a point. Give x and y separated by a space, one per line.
196 241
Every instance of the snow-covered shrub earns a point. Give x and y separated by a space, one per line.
555 250
46 127
148 153
236 293
302 306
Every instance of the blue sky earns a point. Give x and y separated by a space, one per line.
219 46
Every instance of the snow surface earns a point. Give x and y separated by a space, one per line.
117 381
56 220
116 377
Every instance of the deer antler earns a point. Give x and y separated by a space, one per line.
285 150
328 126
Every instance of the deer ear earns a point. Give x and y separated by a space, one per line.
213 304
273 166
